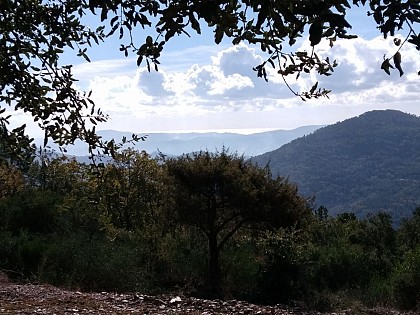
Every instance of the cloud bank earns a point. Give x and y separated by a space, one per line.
224 92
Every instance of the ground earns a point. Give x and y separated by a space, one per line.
46 299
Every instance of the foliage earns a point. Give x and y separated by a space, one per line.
270 248
406 280
9 251
30 210
128 190
221 193
281 267
60 174
91 264
36 34
180 256
11 181
409 233
242 265
15 147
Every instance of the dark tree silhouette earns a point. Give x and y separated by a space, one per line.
220 193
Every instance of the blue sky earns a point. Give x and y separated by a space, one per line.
202 86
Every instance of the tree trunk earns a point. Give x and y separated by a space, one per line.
214 268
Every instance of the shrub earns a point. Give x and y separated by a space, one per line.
282 267
241 268
180 260
406 281
91 264
9 253
30 210
339 266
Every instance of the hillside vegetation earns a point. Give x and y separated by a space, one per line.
206 224
363 165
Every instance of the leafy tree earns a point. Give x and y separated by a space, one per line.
282 253
76 183
336 254
128 189
409 232
405 280
35 34
380 239
11 181
15 147
30 210
60 174
221 193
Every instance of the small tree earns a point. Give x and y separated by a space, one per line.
220 193
409 232
11 181
128 188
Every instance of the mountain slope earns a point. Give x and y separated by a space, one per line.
362 165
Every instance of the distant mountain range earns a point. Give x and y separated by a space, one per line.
362 165
179 143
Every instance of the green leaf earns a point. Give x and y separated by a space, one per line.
194 24
139 60
386 65
315 33
329 32
397 62
314 87
236 40
113 20
218 35
104 13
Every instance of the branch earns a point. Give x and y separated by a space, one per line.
227 221
231 233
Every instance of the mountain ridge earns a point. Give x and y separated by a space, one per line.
364 164
180 143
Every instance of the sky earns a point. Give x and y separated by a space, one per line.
201 86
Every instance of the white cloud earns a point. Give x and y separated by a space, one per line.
153 83
231 77
238 59
234 82
211 93
360 62
104 68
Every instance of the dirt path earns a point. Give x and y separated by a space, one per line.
45 299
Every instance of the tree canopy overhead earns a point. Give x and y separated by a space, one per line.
34 34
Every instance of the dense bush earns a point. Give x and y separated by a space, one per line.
405 281
30 210
242 265
91 264
10 260
282 266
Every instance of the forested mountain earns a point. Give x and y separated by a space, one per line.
363 165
